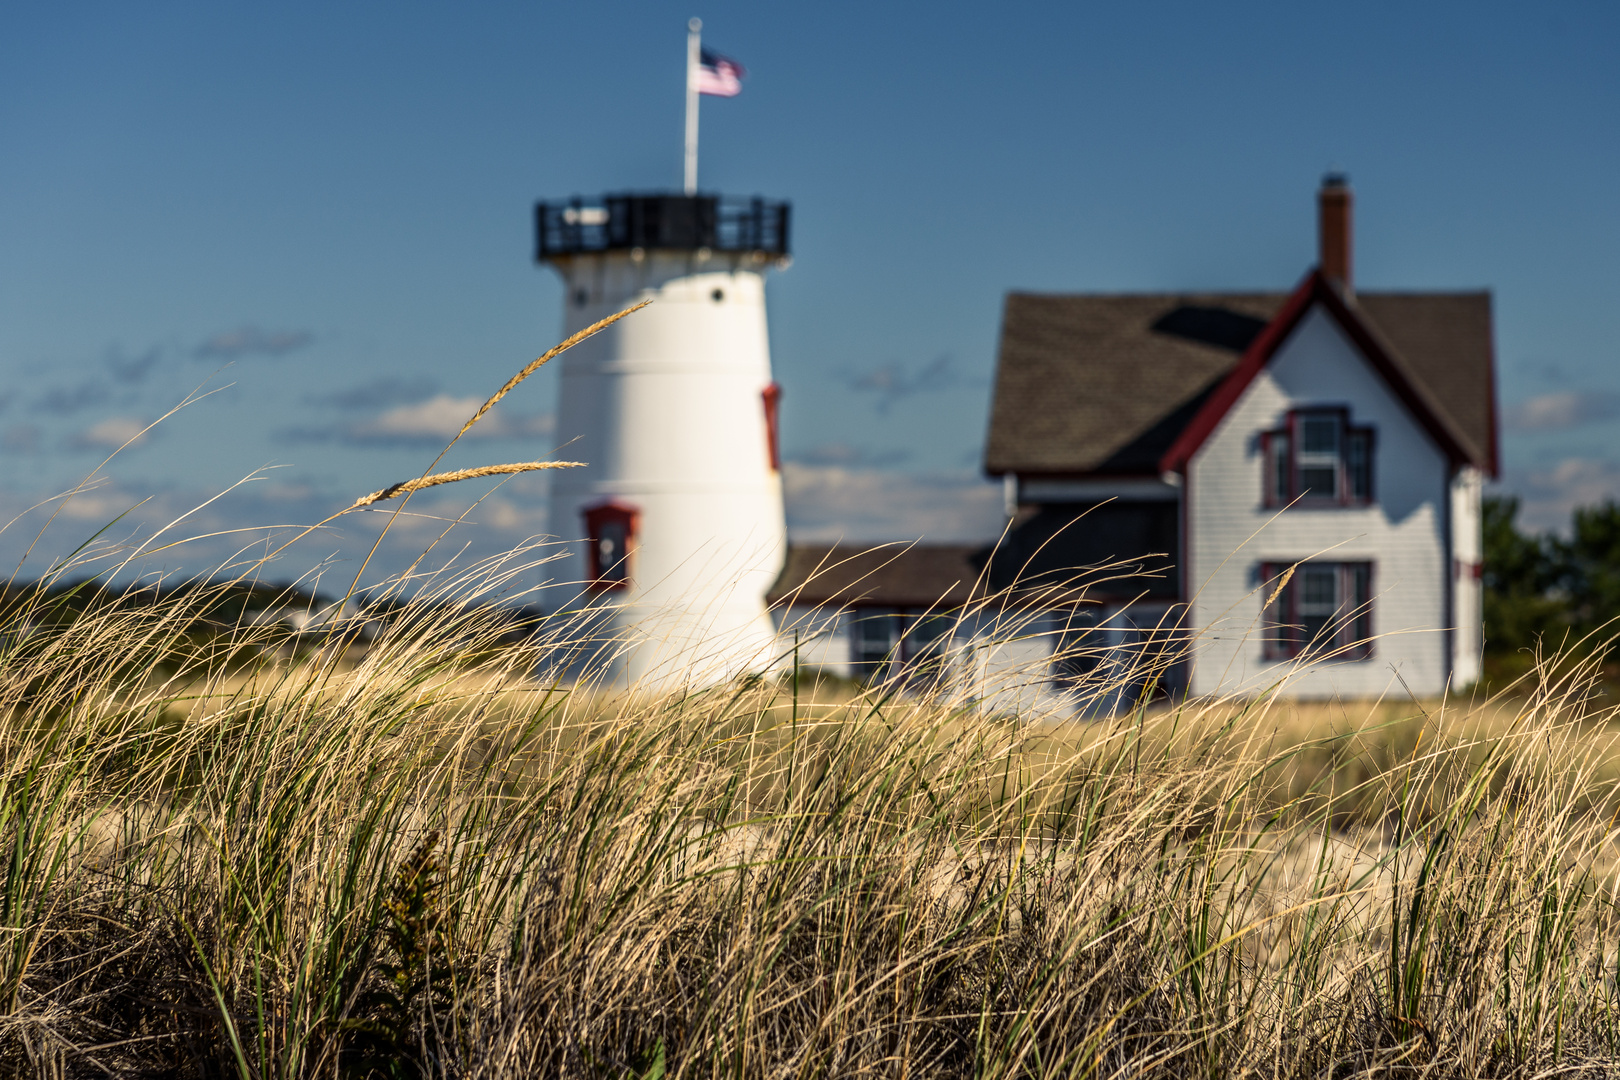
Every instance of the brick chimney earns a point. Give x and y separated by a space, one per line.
1333 229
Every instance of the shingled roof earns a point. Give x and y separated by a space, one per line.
889 575
1049 561
1104 384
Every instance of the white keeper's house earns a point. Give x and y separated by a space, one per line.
1281 487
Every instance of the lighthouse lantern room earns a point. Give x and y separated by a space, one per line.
677 515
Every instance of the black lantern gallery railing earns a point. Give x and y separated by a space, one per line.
667 222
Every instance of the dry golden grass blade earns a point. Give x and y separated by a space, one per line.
528 369
435 480
1283 584
465 474
536 364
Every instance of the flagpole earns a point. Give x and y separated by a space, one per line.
694 59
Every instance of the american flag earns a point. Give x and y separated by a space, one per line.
719 76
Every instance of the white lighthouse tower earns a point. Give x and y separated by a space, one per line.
676 519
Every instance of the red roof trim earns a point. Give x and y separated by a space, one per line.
1393 374
1255 358
1313 290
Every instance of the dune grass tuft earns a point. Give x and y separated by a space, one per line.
401 845
416 864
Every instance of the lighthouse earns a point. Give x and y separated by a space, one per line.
676 520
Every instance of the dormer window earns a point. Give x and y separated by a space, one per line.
610 529
1318 459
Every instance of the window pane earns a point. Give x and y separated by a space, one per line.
1320 591
1329 606
1320 434
1320 481
1358 464
874 639
1079 647
610 545
875 632
1318 457
1361 632
1278 641
1318 603
1359 584
927 636
1315 629
1280 493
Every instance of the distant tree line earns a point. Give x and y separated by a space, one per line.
1547 589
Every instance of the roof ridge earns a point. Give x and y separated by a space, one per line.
1407 371
1095 383
1372 343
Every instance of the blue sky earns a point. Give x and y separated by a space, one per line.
324 210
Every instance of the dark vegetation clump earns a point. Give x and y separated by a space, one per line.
1547 594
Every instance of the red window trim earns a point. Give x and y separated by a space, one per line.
1282 636
597 516
1272 498
772 397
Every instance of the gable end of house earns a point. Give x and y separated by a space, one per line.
1317 290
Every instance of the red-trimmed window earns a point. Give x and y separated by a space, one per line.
772 396
611 531
1318 458
1320 608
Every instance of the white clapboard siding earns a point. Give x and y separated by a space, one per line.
1232 532
819 635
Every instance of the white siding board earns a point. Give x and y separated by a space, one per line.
1006 665
820 636
1001 661
1404 534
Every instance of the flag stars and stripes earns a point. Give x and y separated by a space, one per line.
719 76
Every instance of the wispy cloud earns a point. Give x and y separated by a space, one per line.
252 341
272 511
1548 494
827 503
110 434
127 371
1565 409
132 369
66 400
894 382
377 394
849 456
429 423
20 439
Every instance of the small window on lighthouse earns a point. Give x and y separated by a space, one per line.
718 295
610 529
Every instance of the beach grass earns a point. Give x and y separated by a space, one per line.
409 863
406 846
